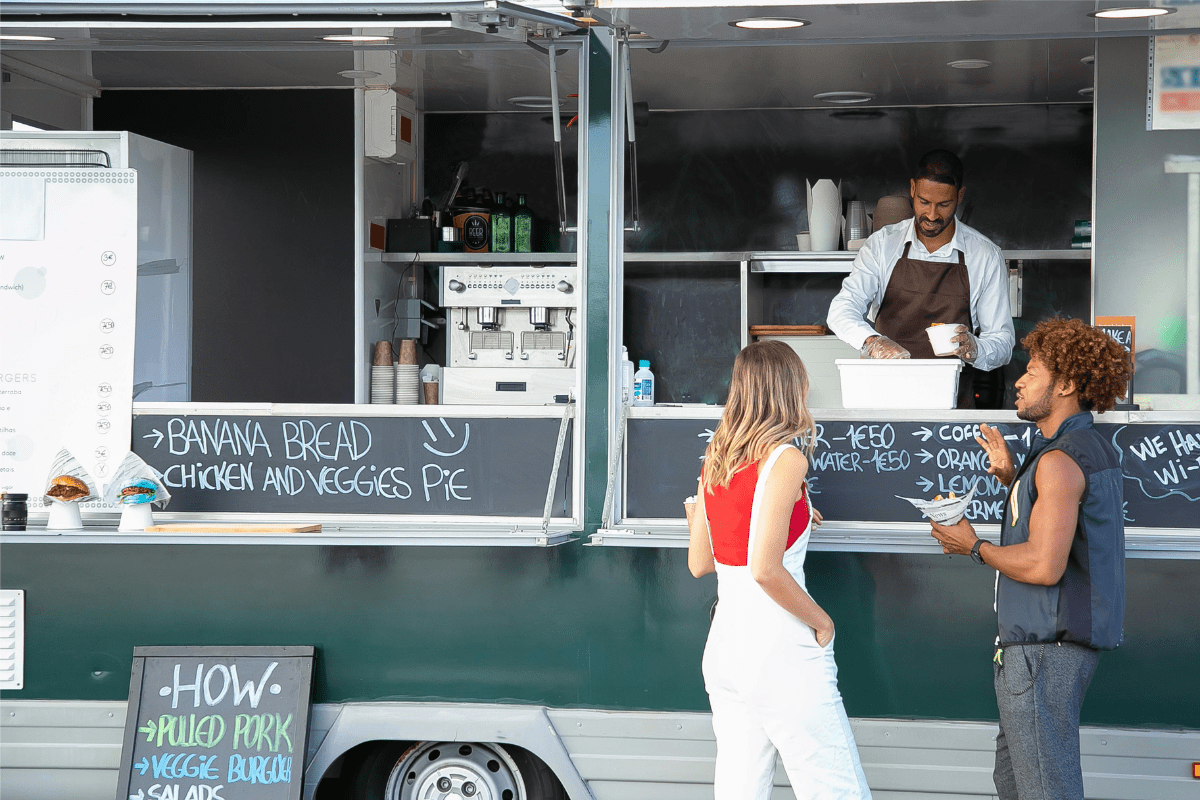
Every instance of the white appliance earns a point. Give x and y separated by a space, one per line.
510 334
163 356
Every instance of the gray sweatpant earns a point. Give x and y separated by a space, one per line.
1039 690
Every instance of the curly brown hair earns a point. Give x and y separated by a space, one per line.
1074 351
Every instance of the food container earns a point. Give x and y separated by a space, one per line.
899 382
476 227
15 511
940 336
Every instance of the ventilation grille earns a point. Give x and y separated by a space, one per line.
492 340
543 340
12 638
54 158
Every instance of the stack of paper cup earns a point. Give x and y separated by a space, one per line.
408 375
383 383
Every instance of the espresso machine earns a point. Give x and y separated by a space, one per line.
510 334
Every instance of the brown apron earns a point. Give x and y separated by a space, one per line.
920 293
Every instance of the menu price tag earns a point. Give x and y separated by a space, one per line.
216 723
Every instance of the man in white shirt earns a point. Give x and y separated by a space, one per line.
931 268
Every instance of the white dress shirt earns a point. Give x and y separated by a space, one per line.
863 289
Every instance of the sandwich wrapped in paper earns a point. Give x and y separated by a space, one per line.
944 510
136 483
68 481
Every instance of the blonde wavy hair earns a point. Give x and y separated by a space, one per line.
767 407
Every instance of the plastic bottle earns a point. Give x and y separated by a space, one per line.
643 385
626 376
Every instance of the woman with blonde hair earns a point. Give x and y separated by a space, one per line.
768 664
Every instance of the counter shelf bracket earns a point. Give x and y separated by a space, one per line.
614 462
558 452
627 86
1016 282
556 119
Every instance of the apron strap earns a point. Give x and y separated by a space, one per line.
759 488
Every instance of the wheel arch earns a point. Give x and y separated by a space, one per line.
351 725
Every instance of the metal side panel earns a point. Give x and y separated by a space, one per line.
669 756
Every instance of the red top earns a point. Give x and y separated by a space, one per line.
728 511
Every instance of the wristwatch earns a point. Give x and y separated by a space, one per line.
975 555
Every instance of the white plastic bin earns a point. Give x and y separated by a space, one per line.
899 382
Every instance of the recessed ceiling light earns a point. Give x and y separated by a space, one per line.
844 98
1088 91
533 101
1088 60
26 37
1130 13
769 23
358 38
969 63
359 73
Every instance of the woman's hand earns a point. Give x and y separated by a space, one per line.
824 631
817 517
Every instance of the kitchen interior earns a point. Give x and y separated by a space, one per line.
730 127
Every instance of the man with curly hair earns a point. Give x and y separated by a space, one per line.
1060 582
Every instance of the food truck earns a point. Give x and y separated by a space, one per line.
253 243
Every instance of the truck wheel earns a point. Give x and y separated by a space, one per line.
470 771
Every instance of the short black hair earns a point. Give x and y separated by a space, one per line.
940 166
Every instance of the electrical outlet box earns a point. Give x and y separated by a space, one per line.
391 126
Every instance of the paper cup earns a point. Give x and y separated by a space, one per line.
408 351
431 392
940 336
64 517
135 517
803 242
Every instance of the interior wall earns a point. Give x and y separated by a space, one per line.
1139 233
735 180
39 103
273 236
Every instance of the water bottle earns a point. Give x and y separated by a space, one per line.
626 377
643 385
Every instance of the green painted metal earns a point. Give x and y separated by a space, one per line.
565 626
599 200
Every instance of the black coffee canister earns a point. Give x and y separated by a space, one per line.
15 509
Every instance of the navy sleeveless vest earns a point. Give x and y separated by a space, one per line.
1087 605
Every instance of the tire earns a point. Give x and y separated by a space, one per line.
470 769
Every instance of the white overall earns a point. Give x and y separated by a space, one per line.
772 687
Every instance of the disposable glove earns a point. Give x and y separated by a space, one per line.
882 347
968 345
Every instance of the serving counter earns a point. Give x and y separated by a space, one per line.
866 460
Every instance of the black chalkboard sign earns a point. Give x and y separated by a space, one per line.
361 465
859 467
216 723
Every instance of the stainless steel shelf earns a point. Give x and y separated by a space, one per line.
832 261
482 259
1048 255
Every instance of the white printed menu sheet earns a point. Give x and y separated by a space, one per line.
68 278
1175 83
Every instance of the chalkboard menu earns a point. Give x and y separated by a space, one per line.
368 465
859 468
216 723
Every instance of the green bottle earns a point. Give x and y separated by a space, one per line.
502 223
522 227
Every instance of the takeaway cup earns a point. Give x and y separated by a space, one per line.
940 336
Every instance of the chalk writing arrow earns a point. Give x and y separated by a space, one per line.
139 796
924 433
142 765
148 729
155 432
925 484
925 455
706 435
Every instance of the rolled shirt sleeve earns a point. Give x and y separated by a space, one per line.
991 311
860 291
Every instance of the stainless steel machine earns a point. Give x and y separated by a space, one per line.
510 334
